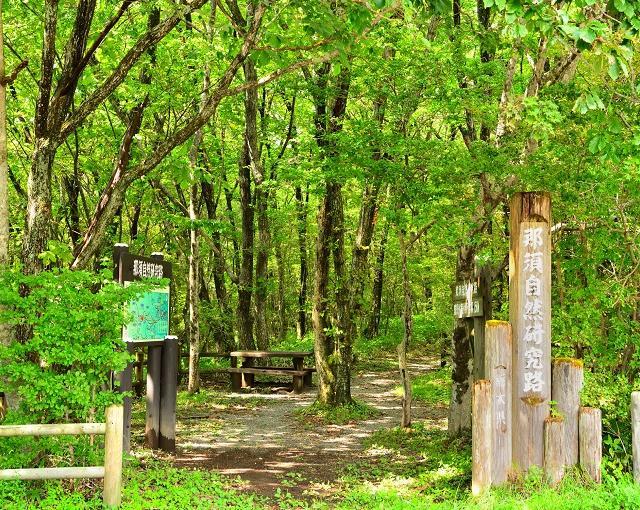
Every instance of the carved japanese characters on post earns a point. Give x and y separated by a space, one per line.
530 317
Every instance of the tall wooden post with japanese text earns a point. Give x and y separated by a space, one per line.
530 317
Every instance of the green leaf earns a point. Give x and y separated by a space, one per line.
614 70
587 35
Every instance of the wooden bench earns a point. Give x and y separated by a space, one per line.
243 376
301 378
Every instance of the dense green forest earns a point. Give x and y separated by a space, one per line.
320 174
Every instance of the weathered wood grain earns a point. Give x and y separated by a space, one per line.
590 431
498 345
531 380
482 437
554 453
566 387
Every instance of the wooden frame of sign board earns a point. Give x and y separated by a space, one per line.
162 356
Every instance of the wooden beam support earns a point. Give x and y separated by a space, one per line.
113 449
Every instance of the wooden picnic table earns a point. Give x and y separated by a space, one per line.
243 376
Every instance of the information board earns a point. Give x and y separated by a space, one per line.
150 313
149 317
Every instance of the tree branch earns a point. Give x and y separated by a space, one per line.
150 38
10 78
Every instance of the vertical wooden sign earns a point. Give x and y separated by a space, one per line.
530 317
498 371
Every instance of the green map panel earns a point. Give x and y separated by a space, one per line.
150 315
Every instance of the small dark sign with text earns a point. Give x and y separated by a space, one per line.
467 301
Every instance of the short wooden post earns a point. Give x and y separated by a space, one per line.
124 378
590 432
498 346
154 370
635 430
530 317
481 436
554 449
168 394
113 456
566 388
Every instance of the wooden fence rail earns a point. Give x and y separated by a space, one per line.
112 469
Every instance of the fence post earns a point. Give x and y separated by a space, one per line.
113 448
635 428
482 437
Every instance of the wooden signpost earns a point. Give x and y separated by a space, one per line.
469 302
149 328
513 425
530 317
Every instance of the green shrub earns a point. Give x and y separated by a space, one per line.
59 371
74 320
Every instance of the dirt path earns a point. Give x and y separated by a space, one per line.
267 446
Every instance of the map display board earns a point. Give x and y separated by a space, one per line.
150 313
149 317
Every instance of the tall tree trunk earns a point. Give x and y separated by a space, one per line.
224 337
362 246
403 347
373 327
344 321
282 307
262 261
462 362
333 335
301 210
368 213
4 166
194 242
332 344
194 275
248 160
5 330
